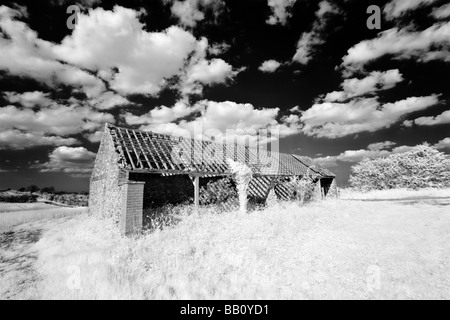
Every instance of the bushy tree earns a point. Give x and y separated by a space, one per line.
32 188
421 167
218 191
303 188
48 190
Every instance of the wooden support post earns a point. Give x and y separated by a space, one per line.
196 192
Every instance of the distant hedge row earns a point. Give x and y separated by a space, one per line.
421 167
18 198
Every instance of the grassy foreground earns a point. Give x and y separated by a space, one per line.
331 249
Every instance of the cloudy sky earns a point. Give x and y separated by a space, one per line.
312 71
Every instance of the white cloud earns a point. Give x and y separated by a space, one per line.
29 99
163 114
326 7
114 47
103 40
58 120
429 44
16 139
295 109
280 11
269 66
408 123
443 144
108 100
375 81
431 121
218 48
222 120
200 72
190 12
353 156
24 54
441 12
306 46
331 120
398 8
71 160
208 72
380 145
94 137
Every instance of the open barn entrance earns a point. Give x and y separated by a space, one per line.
326 184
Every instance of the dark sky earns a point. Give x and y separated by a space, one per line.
168 65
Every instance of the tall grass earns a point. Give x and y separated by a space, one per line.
321 250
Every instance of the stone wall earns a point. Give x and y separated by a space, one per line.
106 191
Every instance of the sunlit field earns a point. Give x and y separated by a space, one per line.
13 214
334 249
395 194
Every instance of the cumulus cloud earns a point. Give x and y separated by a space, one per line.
208 72
200 72
443 144
308 42
108 100
280 11
24 54
332 120
353 156
161 115
76 161
221 120
102 42
17 139
441 12
58 120
113 47
29 99
190 12
443 118
375 81
398 8
269 66
430 44
380 145
94 137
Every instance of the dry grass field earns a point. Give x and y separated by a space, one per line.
334 249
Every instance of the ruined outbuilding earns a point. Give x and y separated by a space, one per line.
136 169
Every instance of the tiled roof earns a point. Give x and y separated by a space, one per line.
153 152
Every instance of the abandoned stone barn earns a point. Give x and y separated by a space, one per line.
137 169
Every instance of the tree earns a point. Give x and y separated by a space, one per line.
32 188
421 167
48 190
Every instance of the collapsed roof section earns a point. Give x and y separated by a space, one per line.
144 151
